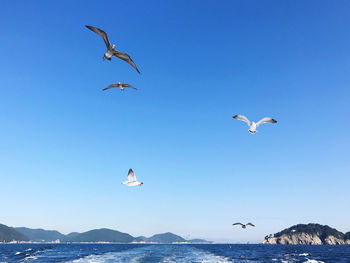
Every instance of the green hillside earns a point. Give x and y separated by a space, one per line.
40 234
313 229
166 238
347 236
103 234
8 234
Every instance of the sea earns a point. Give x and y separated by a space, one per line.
138 253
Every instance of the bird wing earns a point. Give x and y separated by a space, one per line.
111 86
126 58
265 120
237 224
131 176
102 34
250 224
129 86
242 118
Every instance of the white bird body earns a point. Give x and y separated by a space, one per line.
132 181
108 54
252 128
253 125
121 86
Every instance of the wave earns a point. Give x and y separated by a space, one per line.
30 257
313 261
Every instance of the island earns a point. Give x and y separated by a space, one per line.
309 234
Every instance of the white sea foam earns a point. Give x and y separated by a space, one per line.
18 253
131 255
30 258
313 261
200 257
171 255
304 254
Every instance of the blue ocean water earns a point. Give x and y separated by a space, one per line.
97 253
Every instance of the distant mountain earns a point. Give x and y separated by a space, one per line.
103 234
97 235
40 235
8 234
309 234
166 238
71 235
140 239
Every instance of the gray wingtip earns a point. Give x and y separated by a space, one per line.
274 121
235 116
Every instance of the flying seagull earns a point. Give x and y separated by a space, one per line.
253 125
120 85
132 179
243 225
111 51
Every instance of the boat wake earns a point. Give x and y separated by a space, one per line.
157 253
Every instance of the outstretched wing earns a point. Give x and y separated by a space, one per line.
102 33
250 224
129 86
265 120
131 176
237 224
111 86
242 118
126 58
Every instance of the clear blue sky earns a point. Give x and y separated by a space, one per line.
65 145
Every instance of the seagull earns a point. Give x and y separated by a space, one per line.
132 179
243 225
253 125
120 85
111 51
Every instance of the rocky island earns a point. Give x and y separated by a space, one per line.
309 234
